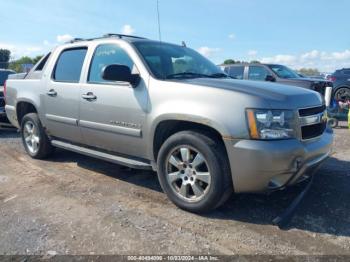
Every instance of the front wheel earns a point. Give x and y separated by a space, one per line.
34 138
193 171
342 94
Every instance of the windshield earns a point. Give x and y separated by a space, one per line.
283 71
167 61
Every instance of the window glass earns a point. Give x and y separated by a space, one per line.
283 71
167 61
107 54
69 65
257 73
236 72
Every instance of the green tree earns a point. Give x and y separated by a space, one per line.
229 61
16 65
255 62
4 57
36 59
309 71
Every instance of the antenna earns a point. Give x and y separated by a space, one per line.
159 33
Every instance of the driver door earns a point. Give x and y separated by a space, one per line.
113 118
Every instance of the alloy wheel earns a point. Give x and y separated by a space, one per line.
31 137
188 173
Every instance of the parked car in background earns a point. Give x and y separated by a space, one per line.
275 73
341 83
4 73
146 104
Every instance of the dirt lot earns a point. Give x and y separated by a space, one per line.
72 204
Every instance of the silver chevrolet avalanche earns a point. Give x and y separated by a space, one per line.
153 105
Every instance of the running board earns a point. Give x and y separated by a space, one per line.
103 156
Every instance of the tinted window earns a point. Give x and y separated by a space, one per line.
236 72
107 55
3 76
69 65
257 73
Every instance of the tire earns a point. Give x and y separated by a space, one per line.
342 94
34 138
333 122
200 178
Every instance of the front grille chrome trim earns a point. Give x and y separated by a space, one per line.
311 120
312 117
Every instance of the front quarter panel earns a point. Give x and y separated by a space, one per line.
223 110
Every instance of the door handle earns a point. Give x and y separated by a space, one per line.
52 93
89 96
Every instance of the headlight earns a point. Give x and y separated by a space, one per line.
271 124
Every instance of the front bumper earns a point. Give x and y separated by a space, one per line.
268 165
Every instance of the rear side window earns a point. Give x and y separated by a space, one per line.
107 54
69 65
236 72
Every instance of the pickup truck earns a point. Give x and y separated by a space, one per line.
154 105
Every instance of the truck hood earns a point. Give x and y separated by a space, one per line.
277 95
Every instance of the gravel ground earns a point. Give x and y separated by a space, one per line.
72 204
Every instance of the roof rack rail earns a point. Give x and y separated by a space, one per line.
121 36
76 40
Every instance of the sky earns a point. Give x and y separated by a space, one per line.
297 33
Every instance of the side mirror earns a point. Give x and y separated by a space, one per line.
270 78
121 73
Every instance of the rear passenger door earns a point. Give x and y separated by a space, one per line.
62 95
113 119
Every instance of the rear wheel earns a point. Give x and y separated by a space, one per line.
193 171
34 138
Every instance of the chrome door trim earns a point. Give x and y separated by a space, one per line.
61 119
111 128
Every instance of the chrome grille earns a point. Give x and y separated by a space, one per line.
312 122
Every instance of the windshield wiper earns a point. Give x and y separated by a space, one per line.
186 74
219 75
194 75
